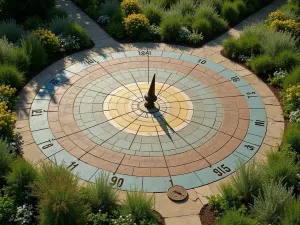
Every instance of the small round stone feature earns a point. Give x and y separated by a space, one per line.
177 193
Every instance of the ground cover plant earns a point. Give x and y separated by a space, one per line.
271 50
190 22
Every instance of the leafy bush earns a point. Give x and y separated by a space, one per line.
291 215
135 24
203 25
6 159
287 60
98 219
56 13
166 3
7 121
101 195
21 59
229 199
8 95
60 25
116 30
281 168
130 7
241 7
139 205
270 205
290 26
277 15
59 196
33 23
36 50
230 12
109 8
236 218
7 210
185 7
22 174
153 12
293 78
262 64
11 30
169 28
247 181
292 137
78 31
10 75
217 4
49 40
21 9
277 78
231 47
278 42
195 38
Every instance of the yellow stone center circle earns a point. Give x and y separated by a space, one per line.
124 109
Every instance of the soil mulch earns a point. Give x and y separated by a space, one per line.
207 217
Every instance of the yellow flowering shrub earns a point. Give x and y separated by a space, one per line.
50 41
8 95
290 26
130 7
291 98
135 24
277 15
7 121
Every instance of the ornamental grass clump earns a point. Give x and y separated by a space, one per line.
59 25
59 196
237 218
6 158
109 7
10 75
11 30
135 24
292 79
292 137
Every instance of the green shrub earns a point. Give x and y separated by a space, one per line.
241 7
166 3
56 13
6 50
230 12
231 48
22 9
49 40
7 210
185 7
129 7
195 38
20 59
292 79
287 60
8 95
291 214
236 218
259 30
281 168
209 12
278 42
60 25
98 219
187 21
116 30
292 137
33 23
59 196
262 65
93 11
6 159
135 24
10 75
22 174
247 181
227 200
36 50
139 205
217 4
203 25
153 12
11 30
169 28
101 195
249 46
78 31
109 8
270 205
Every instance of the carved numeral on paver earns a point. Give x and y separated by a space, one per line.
260 123
235 79
144 52
72 166
90 61
54 81
222 170
36 112
117 181
249 147
202 61
47 145
251 94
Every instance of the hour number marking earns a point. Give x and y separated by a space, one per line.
54 81
90 61
235 79
202 61
72 166
222 170
251 94
249 147
144 52
36 112
260 123
117 181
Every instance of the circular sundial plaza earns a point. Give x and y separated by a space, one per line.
201 122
